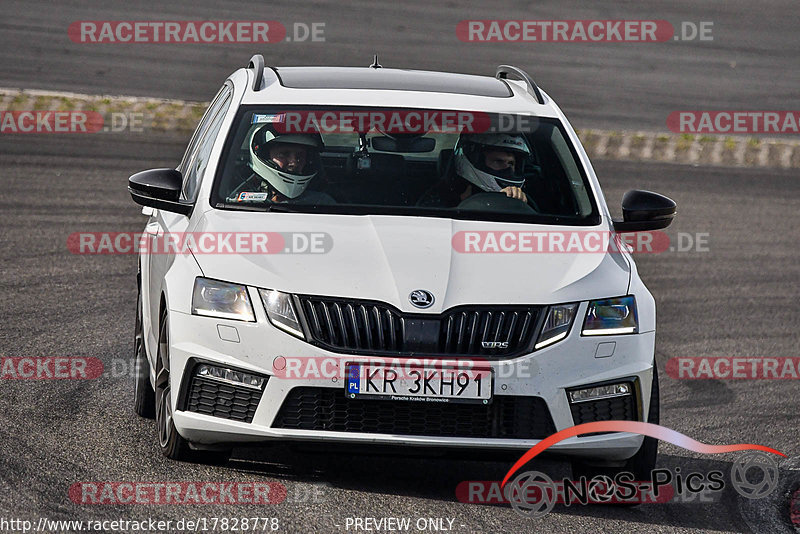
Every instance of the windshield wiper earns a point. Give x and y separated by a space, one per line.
277 207
240 207
281 208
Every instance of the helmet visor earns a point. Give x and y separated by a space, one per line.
290 158
505 165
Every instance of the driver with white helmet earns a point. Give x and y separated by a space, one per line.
483 163
283 165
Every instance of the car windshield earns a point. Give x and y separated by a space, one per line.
433 163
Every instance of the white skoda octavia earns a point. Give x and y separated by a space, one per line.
393 257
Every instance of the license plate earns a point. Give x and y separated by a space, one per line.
422 384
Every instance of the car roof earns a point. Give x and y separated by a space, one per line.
391 79
382 87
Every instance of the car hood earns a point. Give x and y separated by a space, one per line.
385 258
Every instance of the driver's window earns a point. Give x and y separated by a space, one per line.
196 158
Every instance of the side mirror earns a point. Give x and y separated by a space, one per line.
159 188
644 210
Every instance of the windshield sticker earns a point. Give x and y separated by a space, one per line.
259 118
246 196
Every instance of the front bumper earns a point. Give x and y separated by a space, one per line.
546 374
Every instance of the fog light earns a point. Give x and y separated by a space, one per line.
230 376
601 392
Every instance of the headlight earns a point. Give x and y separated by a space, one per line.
611 316
281 311
213 298
556 324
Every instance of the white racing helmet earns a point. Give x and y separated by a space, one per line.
470 164
287 183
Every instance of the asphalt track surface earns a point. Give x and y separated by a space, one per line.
751 64
739 298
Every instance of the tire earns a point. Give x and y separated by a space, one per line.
172 444
640 464
144 402
643 462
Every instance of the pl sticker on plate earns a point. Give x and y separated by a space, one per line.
246 196
353 379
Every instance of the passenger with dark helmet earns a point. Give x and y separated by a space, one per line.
483 163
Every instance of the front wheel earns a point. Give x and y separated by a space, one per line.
172 444
144 402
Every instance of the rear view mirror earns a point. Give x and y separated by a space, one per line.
644 210
401 144
159 188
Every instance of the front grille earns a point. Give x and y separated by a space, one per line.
354 326
464 331
328 409
211 397
613 409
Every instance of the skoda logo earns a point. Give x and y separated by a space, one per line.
421 298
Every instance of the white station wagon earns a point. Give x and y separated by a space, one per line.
399 257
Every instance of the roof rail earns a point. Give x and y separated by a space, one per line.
504 70
257 63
